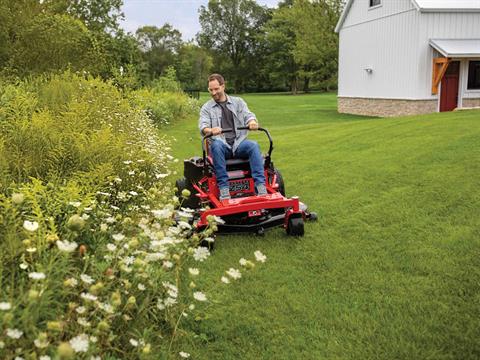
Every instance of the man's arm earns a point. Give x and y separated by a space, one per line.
249 119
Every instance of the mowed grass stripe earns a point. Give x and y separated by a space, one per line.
391 268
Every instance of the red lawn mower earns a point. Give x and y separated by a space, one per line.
245 211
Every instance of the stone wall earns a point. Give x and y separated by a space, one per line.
386 107
470 103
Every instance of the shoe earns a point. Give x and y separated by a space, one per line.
261 190
225 193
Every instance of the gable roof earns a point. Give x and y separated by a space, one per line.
427 6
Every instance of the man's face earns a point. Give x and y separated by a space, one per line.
216 90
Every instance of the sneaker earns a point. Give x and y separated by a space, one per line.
261 190
224 193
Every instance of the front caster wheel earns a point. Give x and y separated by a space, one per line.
295 226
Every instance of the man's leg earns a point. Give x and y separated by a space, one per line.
250 150
220 153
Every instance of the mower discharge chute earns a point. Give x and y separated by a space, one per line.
245 211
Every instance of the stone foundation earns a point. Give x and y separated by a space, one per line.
471 103
386 107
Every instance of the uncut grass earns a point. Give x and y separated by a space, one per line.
391 268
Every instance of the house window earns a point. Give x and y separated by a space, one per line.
474 75
375 2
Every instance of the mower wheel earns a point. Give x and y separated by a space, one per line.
295 226
190 201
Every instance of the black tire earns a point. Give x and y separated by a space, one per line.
192 201
281 184
295 226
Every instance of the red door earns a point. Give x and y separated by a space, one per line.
449 92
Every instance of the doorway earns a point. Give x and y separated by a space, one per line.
449 92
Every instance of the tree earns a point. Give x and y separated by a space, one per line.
159 47
316 46
231 29
193 66
281 39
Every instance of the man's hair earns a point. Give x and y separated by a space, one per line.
217 77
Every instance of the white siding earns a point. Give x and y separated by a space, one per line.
388 46
444 26
393 41
360 11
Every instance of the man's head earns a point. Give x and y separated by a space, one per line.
216 87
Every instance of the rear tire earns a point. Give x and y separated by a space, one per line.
295 226
281 184
191 201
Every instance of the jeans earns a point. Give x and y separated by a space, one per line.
246 150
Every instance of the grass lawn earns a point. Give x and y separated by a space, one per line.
392 268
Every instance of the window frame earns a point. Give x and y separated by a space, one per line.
470 81
373 5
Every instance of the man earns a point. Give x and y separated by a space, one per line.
228 112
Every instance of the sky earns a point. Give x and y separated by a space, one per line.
181 14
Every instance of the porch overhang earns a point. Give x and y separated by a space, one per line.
457 48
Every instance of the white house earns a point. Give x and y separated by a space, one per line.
400 57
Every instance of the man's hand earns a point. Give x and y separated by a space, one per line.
214 131
253 125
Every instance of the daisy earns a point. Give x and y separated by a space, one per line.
133 342
81 309
88 296
111 247
225 280
184 355
118 237
243 261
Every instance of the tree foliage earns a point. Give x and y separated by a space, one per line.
230 29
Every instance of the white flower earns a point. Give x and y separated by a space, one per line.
160 305
167 264
14 333
162 214
193 271
85 216
129 260
41 343
243 261
72 282
80 343
141 287
87 279
161 176
184 225
201 253
103 227
5 306
259 256
199 296
225 280
133 193
23 266
184 355
30 225
36 276
66 246
19 358
218 219
32 249
170 301
133 342
234 273
106 307
127 162
131 173
82 321
94 339
88 296
45 357
110 220
184 214
81 309
111 247
75 203
118 237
